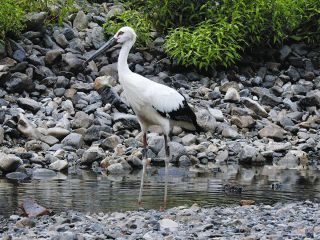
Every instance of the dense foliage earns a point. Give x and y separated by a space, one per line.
132 19
13 12
205 32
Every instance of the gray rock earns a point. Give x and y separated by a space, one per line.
94 153
189 139
94 132
293 73
50 140
135 162
155 143
29 104
116 168
272 131
43 173
53 56
74 140
312 99
81 21
284 52
35 20
59 165
19 82
288 161
16 176
278 146
206 120
1 135
97 37
184 161
247 153
229 132
225 86
217 114
9 162
110 142
176 150
168 224
60 39
270 100
128 121
73 63
81 120
243 121
222 156
232 95
254 106
58 132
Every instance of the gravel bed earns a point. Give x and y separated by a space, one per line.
298 220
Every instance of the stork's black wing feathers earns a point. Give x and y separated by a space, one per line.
183 113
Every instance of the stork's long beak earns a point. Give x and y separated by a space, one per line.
102 49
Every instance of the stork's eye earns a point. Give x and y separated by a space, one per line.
120 33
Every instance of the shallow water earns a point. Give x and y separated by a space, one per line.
88 191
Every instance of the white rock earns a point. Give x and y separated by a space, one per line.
59 165
168 224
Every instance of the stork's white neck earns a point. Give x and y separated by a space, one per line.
123 57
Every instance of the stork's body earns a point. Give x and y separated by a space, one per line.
153 103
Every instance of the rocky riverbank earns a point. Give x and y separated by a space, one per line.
55 114
280 221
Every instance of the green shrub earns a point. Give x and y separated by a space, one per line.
12 12
205 32
205 44
11 17
133 19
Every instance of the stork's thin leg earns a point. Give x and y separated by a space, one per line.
166 171
144 162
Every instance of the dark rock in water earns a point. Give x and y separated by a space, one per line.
135 162
33 209
43 173
16 176
230 188
9 162
109 96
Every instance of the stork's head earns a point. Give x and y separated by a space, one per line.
124 34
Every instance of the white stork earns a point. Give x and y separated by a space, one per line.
153 103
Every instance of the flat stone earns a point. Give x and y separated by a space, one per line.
272 131
168 224
33 209
58 132
29 104
74 140
59 165
229 132
189 139
216 113
43 173
243 121
254 106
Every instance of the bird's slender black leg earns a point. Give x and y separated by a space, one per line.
144 162
166 171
